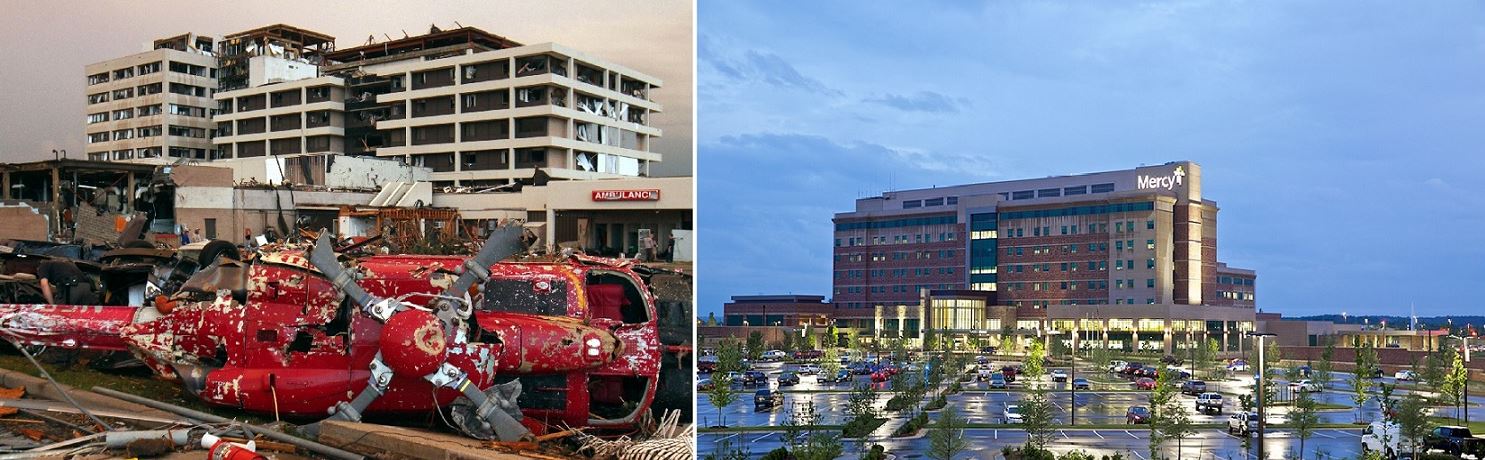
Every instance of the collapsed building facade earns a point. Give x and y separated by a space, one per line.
543 133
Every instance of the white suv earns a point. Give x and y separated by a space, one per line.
1305 386
1242 423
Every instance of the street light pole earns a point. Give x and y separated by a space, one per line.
1259 390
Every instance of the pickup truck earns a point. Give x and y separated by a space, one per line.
1456 440
1242 423
1209 403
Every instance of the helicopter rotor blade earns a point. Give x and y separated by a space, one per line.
324 259
503 242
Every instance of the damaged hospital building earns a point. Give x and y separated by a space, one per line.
275 127
1121 259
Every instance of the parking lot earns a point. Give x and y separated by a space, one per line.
1100 407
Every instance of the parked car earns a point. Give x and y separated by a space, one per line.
788 378
1012 414
879 377
704 384
1384 437
1081 384
1010 373
754 378
1455 440
1304 386
706 364
1237 365
808 354
1116 365
984 374
1193 387
1209 403
775 355
1405 375
1137 415
1303 371
1144 383
808 369
987 350
982 360
1059 375
860 369
841 376
997 381
767 399
1242 423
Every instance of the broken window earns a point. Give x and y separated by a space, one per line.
186 131
94 138
152 88
150 131
147 110
97 78
126 134
97 117
98 98
146 69
123 73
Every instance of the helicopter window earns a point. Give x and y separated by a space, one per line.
616 397
537 296
614 296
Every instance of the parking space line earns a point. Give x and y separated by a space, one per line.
760 438
1347 433
1131 434
1322 434
1141 456
1095 433
730 436
1064 434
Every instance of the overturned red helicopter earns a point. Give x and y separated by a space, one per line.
511 348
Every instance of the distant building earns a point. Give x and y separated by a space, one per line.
477 109
154 105
1124 259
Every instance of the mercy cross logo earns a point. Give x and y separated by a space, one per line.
1166 182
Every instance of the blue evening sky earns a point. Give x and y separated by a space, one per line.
1342 140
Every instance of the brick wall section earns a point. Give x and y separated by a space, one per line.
1392 359
22 223
94 227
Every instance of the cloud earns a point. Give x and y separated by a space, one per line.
922 101
758 66
765 203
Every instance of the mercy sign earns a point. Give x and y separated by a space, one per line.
1163 182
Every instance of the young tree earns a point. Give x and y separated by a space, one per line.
829 362
1032 367
755 346
1216 370
1202 357
1412 420
1303 417
729 360
946 438
1163 406
862 401
1454 384
1436 366
1037 418
1361 381
1271 353
1324 370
